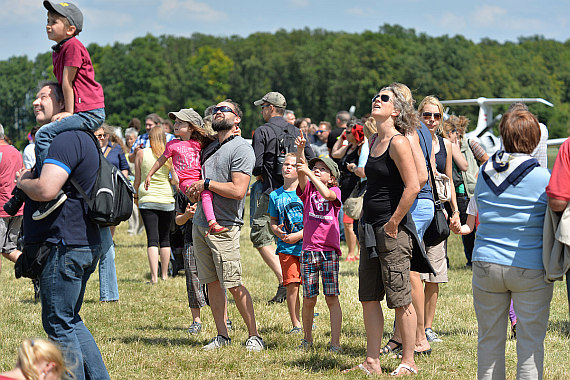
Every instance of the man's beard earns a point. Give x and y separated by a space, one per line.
222 125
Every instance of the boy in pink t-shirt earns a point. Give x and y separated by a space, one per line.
321 240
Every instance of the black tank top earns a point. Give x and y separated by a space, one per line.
348 180
441 156
384 188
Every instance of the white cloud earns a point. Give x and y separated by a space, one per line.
189 9
356 12
452 21
488 15
300 3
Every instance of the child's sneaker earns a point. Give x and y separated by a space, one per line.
334 349
47 208
254 343
195 328
217 342
432 337
216 229
305 345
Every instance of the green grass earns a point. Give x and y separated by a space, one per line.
144 335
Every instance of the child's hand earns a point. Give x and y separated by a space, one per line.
300 141
302 167
351 167
61 115
191 210
279 232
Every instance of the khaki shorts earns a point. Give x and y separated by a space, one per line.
9 230
389 273
217 256
261 234
437 259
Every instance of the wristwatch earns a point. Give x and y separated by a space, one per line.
206 183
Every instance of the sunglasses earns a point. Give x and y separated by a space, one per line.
319 131
384 98
223 109
428 115
100 136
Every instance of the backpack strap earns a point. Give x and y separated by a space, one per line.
76 184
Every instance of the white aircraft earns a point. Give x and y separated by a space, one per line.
483 132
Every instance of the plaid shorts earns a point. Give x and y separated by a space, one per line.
313 262
196 298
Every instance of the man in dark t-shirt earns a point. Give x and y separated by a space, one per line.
75 245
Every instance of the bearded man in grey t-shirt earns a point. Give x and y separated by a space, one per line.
226 174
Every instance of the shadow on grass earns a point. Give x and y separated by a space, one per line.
561 327
166 342
316 362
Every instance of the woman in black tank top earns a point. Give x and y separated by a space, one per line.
391 191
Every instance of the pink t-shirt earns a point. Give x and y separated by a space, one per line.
186 160
88 93
559 185
10 162
321 231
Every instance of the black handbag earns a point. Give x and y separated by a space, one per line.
32 260
438 229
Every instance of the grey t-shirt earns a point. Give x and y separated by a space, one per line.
234 156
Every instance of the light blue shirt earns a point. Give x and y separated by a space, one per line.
510 229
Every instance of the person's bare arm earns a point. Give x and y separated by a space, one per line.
157 165
419 159
236 189
327 193
557 205
69 73
44 188
300 141
401 153
137 182
338 149
455 224
458 158
188 214
469 225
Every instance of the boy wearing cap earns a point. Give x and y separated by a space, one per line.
84 106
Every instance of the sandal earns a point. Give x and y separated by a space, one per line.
396 372
416 353
389 350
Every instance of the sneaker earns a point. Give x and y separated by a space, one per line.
254 343
432 337
334 349
47 208
305 345
217 342
295 330
229 324
195 328
280 295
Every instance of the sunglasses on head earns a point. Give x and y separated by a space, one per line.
435 115
384 98
223 109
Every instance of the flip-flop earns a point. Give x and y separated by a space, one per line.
396 372
359 367
389 350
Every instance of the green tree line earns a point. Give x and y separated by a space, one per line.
318 71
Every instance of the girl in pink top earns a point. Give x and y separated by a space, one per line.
321 241
185 154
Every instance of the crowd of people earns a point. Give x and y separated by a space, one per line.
195 172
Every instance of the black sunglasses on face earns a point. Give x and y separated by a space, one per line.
435 115
384 98
223 109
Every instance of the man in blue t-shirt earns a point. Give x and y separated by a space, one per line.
75 246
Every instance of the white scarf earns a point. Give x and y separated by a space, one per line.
506 169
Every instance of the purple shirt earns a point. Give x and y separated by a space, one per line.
321 230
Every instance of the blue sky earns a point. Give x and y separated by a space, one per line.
106 21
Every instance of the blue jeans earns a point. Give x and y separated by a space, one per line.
108 288
87 121
62 287
422 214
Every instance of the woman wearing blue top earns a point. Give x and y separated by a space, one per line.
507 258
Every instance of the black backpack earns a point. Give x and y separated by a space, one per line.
284 143
111 200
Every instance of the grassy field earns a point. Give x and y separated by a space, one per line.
144 335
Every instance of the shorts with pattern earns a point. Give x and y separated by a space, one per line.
196 298
313 262
9 230
389 273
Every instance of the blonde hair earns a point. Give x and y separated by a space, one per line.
113 138
31 351
370 127
430 99
458 123
157 139
407 120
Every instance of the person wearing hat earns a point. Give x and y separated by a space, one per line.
84 106
267 171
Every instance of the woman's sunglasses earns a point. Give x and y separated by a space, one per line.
428 115
384 98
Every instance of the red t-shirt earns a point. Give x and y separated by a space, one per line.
88 93
10 162
559 185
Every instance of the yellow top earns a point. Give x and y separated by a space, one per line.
159 189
